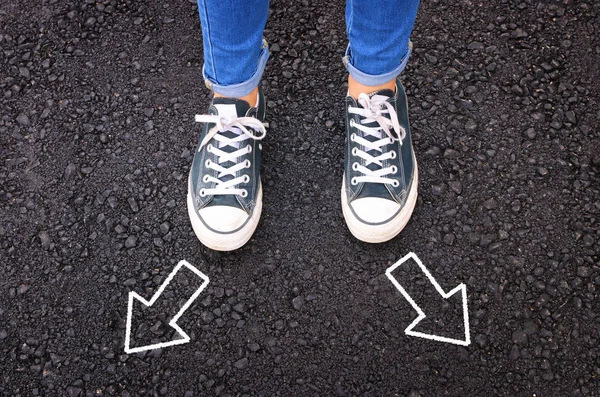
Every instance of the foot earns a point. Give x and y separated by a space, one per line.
224 190
379 189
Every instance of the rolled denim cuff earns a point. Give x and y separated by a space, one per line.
244 88
375 79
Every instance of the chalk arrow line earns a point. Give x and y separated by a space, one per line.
173 323
461 287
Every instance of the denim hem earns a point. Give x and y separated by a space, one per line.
375 79
244 88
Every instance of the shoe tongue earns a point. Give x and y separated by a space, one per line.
385 92
231 107
376 189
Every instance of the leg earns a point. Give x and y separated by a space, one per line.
379 34
224 190
379 190
235 53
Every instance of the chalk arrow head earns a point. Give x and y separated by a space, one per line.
134 309
421 320
133 304
461 290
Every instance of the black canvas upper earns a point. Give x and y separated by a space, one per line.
199 169
404 160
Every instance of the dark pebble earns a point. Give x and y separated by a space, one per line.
242 363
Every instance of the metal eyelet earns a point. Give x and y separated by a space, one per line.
353 137
393 155
202 192
246 179
207 163
352 123
394 169
209 148
205 178
355 151
395 183
353 181
247 164
249 149
244 193
355 166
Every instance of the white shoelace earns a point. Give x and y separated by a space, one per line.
374 110
244 128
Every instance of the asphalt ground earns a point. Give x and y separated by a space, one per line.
97 134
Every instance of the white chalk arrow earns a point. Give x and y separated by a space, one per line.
461 287
173 323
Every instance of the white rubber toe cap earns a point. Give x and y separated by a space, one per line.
374 209
223 218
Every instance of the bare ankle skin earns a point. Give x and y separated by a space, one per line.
251 98
355 88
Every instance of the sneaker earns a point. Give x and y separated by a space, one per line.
379 189
224 191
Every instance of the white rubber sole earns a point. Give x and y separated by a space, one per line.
229 241
387 231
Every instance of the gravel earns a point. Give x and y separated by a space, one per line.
96 140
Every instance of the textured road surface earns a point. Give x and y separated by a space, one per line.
96 139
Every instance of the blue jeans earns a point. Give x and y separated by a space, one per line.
235 53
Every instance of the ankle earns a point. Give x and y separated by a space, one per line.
251 98
355 88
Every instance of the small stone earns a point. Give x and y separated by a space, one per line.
73 391
517 90
45 239
519 336
437 190
456 186
23 120
252 346
130 241
530 327
164 228
133 204
451 154
490 204
433 151
542 171
129 282
69 171
24 72
519 33
584 271
530 133
298 302
470 126
449 239
588 240
242 363
514 353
